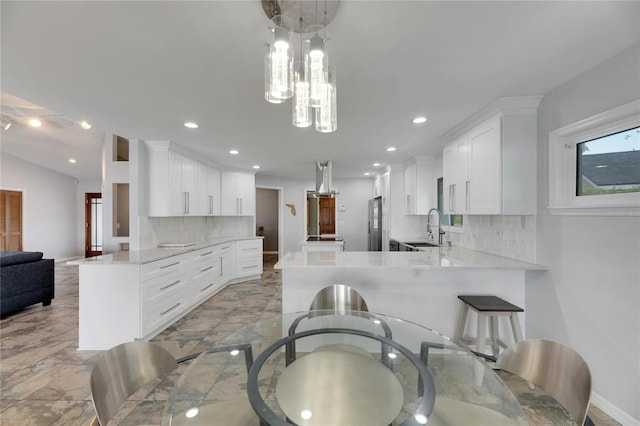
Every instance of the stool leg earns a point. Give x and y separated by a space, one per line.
481 342
462 320
493 322
515 326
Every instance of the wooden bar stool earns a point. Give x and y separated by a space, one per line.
492 307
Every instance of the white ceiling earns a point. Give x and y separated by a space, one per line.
141 68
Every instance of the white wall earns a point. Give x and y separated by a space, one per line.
590 297
49 207
352 223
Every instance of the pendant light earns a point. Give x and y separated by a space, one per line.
326 114
279 63
311 82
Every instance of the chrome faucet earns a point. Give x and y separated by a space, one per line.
440 231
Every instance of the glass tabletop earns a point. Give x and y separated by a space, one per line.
329 368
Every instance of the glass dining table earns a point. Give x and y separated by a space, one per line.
324 368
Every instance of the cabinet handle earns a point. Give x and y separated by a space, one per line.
169 266
170 285
225 247
408 203
188 203
250 267
184 202
250 249
206 269
170 309
210 204
206 254
203 289
240 205
468 196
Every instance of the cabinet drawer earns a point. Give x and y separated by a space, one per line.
165 311
162 267
249 266
249 248
164 286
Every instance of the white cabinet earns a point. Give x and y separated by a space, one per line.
248 258
237 194
455 169
420 186
227 262
205 273
208 191
172 182
491 167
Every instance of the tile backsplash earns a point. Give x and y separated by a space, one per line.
159 230
507 236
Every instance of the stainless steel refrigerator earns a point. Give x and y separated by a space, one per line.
375 224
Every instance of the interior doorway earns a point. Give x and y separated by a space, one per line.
268 219
92 224
10 220
321 215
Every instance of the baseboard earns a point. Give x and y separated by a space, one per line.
612 411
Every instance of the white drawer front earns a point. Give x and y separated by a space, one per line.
162 267
249 266
164 286
248 248
163 312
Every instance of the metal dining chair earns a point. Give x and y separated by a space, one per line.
121 371
338 299
557 369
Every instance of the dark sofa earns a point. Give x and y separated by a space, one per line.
25 279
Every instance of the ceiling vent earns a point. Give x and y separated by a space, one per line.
323 180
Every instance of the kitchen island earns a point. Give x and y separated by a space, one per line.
419 286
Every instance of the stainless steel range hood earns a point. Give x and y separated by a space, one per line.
323 180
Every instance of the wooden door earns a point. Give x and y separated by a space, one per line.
10 221
93 224
327 216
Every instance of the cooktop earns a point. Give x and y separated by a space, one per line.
321 238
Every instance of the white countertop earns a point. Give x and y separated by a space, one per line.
425 258
151 255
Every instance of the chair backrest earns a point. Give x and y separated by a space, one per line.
338 298
124 369
557 369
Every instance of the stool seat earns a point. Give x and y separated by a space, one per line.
489 304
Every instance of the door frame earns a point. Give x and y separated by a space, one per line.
87 221
23 209
279 189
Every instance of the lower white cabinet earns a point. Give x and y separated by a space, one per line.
248 258
121 302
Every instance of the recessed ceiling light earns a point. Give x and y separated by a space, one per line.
72 160
191 125
85 125
34 122
256 166
376 164
367 174
419 120
391 149
234 152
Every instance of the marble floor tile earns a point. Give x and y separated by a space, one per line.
44 379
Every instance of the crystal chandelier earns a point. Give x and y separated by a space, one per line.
310 81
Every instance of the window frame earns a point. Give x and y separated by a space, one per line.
563 144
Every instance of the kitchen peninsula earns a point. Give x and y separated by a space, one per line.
135 295
419 286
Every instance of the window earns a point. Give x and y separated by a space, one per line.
594 165
454 220
609 165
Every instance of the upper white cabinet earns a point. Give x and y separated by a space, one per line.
238 194
172 182
208 198
490 167
420 186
